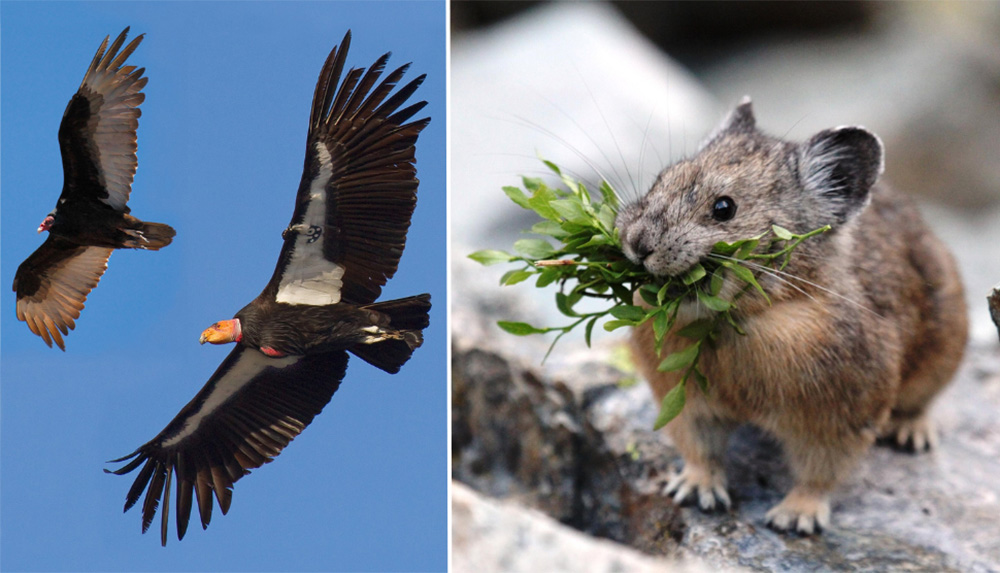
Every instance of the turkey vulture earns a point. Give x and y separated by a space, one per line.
91 218
346 236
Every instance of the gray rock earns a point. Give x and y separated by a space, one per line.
579 447
496 536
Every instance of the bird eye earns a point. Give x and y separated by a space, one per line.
724 209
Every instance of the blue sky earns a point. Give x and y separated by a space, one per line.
221 144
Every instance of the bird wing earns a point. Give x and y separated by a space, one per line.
97 134
358 187
249 410
53 283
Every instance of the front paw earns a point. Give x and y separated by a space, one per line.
804 513
710 487
912 435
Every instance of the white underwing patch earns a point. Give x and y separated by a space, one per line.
309 278
247 367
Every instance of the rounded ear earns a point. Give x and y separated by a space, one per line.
839 166
741 119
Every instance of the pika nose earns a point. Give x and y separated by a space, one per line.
642 249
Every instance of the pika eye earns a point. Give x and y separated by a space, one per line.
724 209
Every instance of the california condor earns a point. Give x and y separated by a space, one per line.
347 233
91 219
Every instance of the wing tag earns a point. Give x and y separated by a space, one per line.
309 278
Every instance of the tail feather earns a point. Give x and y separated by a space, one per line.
157 235
407 318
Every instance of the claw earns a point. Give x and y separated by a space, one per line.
710 488
806 514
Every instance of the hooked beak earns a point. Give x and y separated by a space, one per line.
46 224
222 332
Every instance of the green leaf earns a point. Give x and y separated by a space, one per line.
565 302
514 277
550 228
589 330
572 211
595 241
679 360
698 329
539 203
782 233
671 406
661 295
694 275
517 196
732 322
746 248
700 379
553 167
745 275
629 312
724 248
713 302
648 297
520 328
548 276
615 324
490 257
718 279
534 248
661 324
609 196
533 184
606 216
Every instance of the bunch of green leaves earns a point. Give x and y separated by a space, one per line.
589 263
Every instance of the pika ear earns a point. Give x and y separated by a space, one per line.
741 119
839 166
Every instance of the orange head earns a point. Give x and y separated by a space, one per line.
223 332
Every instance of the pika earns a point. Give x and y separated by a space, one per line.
866 324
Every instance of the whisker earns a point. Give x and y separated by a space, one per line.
771 272
763 268
611 133
615 182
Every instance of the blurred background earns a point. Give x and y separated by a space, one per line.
618 90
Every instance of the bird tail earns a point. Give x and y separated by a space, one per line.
158 235
407 319
149 236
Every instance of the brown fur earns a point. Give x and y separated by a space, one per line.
825 373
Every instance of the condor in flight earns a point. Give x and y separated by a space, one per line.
91 218
346 236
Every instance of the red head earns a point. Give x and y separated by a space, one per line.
46 224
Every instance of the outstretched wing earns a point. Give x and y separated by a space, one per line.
97 134
358 188
250 409
53 283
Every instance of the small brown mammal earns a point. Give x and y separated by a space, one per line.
866 324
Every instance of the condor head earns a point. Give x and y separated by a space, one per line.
47 223
223 332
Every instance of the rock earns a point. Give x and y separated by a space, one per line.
994 302
496 536
570 441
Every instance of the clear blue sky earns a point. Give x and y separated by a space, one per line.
221 147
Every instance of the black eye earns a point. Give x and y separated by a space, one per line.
724 209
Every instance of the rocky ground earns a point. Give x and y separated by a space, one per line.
574 440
